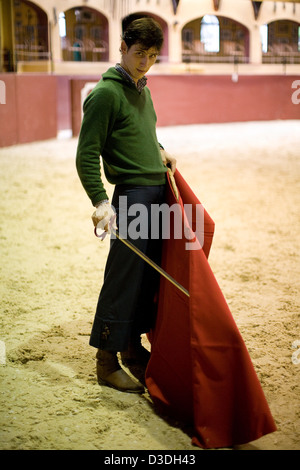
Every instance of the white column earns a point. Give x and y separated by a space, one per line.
175 43
55 42
115 33
255 45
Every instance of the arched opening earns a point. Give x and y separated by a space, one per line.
210 33
215 39
84 35
281 42
31 32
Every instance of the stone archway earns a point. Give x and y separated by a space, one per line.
30 32
84 35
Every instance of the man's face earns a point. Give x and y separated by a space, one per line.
137 60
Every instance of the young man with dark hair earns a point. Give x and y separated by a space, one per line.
120 125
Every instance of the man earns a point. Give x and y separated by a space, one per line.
120 125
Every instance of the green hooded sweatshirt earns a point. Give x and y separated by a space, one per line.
119 124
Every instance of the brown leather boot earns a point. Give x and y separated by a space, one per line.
136 354
136 359
109 372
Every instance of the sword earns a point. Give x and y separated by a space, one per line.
147 259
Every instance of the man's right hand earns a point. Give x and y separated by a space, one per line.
104 217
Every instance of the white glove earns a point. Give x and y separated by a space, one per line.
104 217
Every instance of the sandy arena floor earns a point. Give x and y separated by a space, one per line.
247 177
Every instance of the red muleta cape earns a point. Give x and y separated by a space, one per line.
200 371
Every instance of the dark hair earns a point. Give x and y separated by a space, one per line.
130 18
143 30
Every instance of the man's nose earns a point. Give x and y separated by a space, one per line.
145 61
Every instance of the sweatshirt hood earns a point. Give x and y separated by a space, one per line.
122 76
112 74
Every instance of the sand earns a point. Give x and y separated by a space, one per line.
247 177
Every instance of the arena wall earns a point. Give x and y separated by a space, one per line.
196 99
38 107
30 109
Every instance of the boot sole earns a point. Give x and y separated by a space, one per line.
108 384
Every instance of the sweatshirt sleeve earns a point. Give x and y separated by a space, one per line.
100 110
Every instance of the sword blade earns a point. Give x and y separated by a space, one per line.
151 263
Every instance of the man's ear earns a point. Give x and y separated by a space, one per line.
124 47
